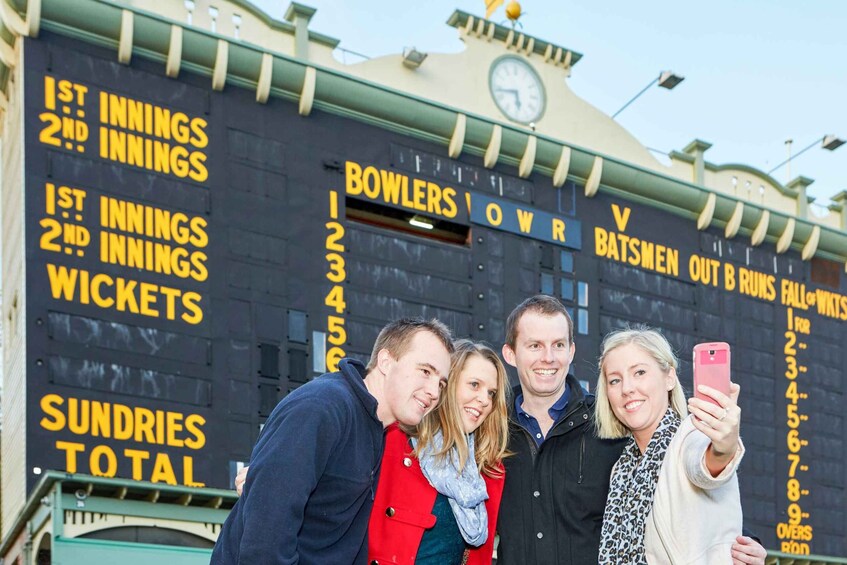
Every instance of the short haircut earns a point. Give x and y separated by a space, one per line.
654 344
542 304
396 337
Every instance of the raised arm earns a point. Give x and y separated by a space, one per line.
720 424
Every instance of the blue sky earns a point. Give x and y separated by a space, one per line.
756 72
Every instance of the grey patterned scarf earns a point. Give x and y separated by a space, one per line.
464 490
630 498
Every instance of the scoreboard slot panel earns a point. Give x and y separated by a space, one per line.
361 334
749 309
680 341
96 334
269 321
827 354
239 398
752 257
374 243
119 181
456 173
238 317
755 336
238 359
260 247
636 280
825 272
240 211
826 378
250 179
259 279
757 362
260 152
636 306
756 385
409 284
124 380
378 307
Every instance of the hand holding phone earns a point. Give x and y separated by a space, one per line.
718 420
711 368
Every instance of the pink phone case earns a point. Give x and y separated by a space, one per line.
711 368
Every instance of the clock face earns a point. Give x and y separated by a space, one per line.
517 89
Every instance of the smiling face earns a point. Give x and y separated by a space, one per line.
637 389
542 355
414 382
476 391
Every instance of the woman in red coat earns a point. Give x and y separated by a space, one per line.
440 484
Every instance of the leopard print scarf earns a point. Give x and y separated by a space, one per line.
631 496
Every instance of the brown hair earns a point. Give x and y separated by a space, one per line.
397 336
491 437
542 304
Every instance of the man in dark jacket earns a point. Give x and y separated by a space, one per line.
309 492
558 479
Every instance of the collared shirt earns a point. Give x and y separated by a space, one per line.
556 412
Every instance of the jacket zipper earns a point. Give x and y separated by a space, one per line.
581 455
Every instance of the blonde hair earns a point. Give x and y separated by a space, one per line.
654 344
491 437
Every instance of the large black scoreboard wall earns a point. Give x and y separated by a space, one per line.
192 256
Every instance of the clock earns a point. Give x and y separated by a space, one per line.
517 89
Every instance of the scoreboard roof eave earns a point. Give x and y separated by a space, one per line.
340 93
459 19
273 24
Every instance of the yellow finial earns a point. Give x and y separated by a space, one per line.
513 10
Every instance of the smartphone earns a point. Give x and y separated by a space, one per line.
711 368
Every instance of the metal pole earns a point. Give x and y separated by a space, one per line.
634 98
815 142
788 143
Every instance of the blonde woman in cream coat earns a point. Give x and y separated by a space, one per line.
673 494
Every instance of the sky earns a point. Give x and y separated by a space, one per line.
757 72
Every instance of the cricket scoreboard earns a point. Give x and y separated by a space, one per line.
192 256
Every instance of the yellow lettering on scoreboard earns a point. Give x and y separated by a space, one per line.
400 190
123 294
133 235
636 252
91 419
131 132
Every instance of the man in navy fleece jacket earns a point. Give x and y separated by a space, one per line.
313 470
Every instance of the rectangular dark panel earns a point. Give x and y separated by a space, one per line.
269 360
129 381
104 334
